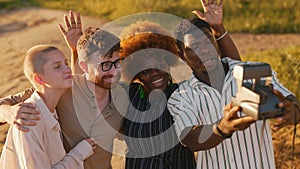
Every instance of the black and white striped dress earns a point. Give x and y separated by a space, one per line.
151 138
196 103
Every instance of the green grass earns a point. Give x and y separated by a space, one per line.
254 16
285 61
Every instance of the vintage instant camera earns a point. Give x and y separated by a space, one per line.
254 91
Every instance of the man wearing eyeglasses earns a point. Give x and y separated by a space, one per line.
86 110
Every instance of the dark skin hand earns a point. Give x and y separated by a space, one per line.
291 110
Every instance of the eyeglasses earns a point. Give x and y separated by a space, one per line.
106 66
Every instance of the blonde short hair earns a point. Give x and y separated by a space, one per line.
35 59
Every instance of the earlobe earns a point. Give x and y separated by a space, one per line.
38 79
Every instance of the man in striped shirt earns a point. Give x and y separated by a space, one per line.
205 121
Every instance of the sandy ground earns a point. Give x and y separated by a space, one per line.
21 29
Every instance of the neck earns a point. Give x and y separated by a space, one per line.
100 92
51 97
102 95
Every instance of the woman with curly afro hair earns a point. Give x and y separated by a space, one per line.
152 143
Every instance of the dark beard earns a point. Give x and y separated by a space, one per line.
105 85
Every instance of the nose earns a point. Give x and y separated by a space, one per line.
67 69
154 72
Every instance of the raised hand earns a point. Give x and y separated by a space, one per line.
73 30
213 12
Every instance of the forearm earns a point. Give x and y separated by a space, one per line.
74 63
226 45
7 102
75 158
202 138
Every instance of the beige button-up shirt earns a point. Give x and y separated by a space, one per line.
42 147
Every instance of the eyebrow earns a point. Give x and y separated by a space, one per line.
57 62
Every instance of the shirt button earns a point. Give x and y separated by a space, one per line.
95 107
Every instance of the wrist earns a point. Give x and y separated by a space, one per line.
218 30
221 132
221 36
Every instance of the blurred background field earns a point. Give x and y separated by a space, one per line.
252 16
264 30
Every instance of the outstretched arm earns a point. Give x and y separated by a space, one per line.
213 15
198 138
72 34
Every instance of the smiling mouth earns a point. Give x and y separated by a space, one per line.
157 81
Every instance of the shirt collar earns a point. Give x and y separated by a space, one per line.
50 118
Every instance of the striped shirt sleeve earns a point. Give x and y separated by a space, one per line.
278 86
181 106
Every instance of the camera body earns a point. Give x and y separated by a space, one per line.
255 92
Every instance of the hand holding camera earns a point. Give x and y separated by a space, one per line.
255 93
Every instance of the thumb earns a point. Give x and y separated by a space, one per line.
199 14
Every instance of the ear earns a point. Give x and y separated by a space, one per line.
83 66
38 79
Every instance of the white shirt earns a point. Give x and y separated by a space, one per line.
196 103
41 147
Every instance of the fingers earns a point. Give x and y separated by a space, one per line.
290 117
221 2
92 142
242 122
210 2
72 19
78 19
199 14
230 113
71 24
227 107
27 113
285 103
67 23
26 116
29 105
231 120
280 123
62 30
22 128
204 3
278 94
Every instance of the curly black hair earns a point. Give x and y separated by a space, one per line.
146 35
